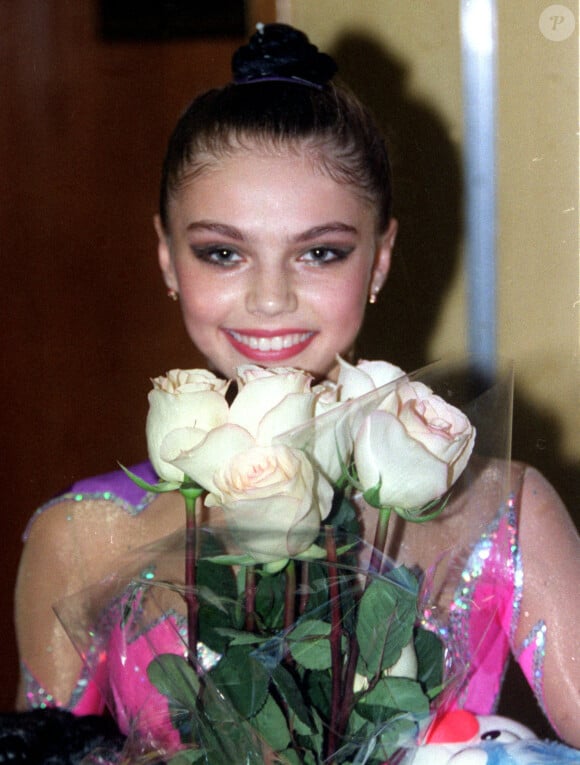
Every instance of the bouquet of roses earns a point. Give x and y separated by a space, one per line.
278 632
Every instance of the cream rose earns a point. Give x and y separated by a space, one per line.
189 400
330 435
273 499
366 376
414 448
271 401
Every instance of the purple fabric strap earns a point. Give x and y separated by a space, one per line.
117 483
115 486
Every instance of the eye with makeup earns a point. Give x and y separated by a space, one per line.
319 256
217 255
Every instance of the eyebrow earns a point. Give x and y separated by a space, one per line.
223 229
220 228
327 228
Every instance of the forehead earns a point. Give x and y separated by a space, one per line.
285 180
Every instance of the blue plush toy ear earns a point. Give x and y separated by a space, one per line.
542 753
531 752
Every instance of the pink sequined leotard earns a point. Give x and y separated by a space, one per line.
480 630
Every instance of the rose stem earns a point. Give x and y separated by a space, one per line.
335 639
377 557
290 594
348 692
304 587
190 495
250 603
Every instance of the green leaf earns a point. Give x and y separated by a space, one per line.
317 589
314 552
187 758
310 645
381 741
386 616
319 693
291 757
174 678
271 724
424 513
289 690
399 694
243 679
243 559
430 658
157 488
372 496
269 604
217 594
237 637
217 579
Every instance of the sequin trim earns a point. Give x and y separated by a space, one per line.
37 697
460 628
106 496
536 642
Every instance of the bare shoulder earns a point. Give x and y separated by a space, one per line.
542 510
549 541
85 538
550 549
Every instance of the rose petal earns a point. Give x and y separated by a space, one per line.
295 409
203 410
260 395
203 461
410 475
366 376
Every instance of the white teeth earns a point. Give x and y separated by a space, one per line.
276 343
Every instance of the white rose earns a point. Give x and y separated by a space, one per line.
191 400
273 499
366 376
326 397
416 446
330 436
271 401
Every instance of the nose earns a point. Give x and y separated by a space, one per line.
271 293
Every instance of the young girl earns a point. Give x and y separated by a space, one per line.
275 231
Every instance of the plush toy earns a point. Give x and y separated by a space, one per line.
461 738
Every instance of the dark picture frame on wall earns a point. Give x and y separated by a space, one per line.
170 19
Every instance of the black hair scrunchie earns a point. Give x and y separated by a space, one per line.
280 51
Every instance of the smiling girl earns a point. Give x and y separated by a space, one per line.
275 268
275 231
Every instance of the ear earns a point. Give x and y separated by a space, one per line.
164 255
382 262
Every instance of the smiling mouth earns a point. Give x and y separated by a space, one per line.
285 342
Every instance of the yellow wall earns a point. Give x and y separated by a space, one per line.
538 183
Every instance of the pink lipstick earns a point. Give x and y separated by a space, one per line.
262 346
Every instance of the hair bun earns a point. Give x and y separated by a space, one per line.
278 51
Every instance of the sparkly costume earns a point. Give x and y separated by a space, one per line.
480 629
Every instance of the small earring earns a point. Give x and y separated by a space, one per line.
373 296
172 294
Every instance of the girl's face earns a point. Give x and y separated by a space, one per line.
273 262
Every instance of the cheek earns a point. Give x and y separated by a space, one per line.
202 302
346 303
